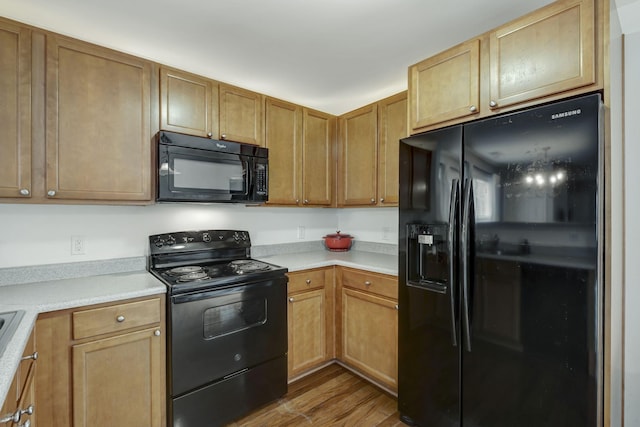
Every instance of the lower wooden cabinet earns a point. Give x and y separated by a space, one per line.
18 408
310 316
368 319
103 365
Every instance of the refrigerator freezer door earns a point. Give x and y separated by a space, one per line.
533 279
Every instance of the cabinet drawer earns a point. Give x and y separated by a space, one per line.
115 318
371 282
305 280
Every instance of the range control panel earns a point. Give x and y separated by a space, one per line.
187 241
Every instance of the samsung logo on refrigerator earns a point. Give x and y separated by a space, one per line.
566 114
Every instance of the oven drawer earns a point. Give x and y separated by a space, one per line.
305 280
115 318
386 286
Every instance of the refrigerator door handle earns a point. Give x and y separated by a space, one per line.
453 203
464 261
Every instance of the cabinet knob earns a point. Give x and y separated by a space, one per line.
51 193
297 201
367 283
397 308
308 281
157 332
493 104
120 319
223 136
290 299
473 108
373 200
209 134
306 201
381 199
33 356
24 192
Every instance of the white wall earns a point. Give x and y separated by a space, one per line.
41 234
632 228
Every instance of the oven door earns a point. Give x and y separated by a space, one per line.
188 174
217 333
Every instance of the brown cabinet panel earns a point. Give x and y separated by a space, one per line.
445 86
392 126
283 138
188 103
318 159
241 115
15 111
98 139
123 371
549 51
307 334
358 157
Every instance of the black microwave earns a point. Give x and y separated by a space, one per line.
196 169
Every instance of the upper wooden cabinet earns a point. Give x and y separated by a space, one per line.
283 138
358 157
15 111
445 86
368 154
188 103
318 158
392 126
545 55
98 131
548 51
241 115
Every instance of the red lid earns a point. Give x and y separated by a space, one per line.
337 235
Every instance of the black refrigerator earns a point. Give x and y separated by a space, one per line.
500 270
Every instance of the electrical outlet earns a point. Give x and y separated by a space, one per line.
301 232
77 245
386 233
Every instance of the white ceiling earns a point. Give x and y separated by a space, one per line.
331 55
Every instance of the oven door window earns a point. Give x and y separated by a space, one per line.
235 317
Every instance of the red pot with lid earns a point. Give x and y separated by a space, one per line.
338 242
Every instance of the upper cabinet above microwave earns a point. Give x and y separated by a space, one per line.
199 106
548 54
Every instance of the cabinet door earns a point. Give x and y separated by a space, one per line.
548 51
241 115
318 167
445 86
392 126
358 157
15 111
98 123
188 103
118 381
307 334
370 335
283 138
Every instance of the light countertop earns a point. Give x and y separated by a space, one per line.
370 261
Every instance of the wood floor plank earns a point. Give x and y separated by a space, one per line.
332 396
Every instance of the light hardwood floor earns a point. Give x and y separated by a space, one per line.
332 396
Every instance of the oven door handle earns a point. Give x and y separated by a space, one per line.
218 292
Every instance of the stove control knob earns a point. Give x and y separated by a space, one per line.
236 236
206 237
159 243
171 241
244 235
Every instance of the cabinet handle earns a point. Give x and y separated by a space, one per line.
493 104
297 201
373 200
24 192
306 202
308 281
33 356
367 283
381 199
157 332
290 299
397 308
473 108
51 193
120 319
209 134
28 411
26 424
223 136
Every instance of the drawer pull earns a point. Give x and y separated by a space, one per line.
291 299
120 319
33 356
397 307
308 281
157 332
367 283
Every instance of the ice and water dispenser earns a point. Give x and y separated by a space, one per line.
428 256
